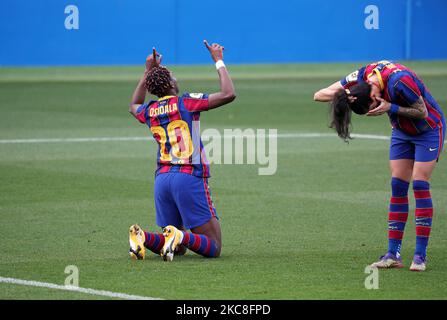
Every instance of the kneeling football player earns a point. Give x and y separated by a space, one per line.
181 193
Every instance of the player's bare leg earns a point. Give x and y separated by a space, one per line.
402 169
423 170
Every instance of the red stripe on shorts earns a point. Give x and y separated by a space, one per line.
208 197
441 142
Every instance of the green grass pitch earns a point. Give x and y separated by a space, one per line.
307 232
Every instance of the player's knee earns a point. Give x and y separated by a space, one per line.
217 249
422 178
422 174
217 254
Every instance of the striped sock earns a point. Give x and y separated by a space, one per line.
154 241
398 214
200 244
423 215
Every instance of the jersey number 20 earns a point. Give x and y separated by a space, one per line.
178 150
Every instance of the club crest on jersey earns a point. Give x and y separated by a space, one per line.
353 76
153 112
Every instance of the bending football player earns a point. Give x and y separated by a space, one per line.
417 140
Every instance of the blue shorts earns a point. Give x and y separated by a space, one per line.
182 200
424 147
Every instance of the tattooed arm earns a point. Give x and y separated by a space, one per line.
417 110
406 88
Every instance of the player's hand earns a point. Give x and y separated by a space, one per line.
153 60
216 50
383 107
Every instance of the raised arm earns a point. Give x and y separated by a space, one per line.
139 94
327 94
226 93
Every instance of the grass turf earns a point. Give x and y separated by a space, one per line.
306 232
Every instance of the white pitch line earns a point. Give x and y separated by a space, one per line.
74 289
57 140
112 139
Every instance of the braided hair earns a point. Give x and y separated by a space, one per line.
158 81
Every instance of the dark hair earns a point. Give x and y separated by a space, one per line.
158 81
358 100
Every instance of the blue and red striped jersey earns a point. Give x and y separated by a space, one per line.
400 86
175 125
